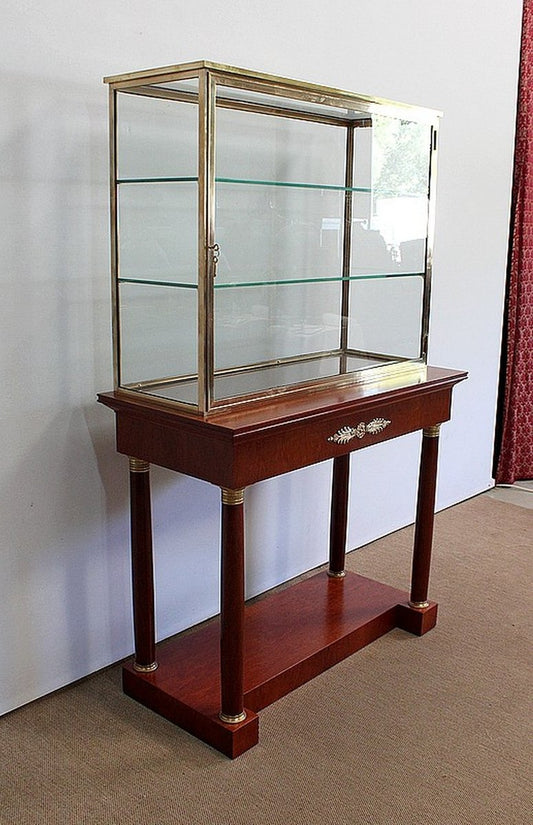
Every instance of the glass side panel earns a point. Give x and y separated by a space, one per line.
157 231
276 321
157 239
156 138
389 228
158 336
386 316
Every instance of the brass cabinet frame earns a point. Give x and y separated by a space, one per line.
155 83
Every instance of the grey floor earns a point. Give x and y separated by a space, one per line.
520 493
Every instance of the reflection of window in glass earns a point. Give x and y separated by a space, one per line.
400 157
400 165
371 255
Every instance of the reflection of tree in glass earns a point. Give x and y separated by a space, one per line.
401 157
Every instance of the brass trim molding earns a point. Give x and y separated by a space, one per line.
432 432
419 605
232 720
137 465
145 668
232 497
347 433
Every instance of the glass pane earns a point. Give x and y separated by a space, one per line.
185 391
257 324
187 87
271 233
279 210
156 138
389 229
263 147
386 316
292 103
278 376
158 231
158 334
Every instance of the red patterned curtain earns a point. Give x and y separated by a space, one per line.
514 447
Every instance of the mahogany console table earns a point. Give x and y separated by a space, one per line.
212 681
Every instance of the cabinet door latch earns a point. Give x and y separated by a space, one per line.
215 250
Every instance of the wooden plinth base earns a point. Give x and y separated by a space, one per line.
290 637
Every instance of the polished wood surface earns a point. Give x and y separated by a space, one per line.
142 569
425 515
239 446
291 637
232 610
254 654
339 513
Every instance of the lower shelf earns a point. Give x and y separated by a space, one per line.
291 636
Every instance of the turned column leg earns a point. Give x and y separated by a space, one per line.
232 608
142 566
425 514
339 515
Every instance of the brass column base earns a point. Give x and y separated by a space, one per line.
232 720
145 668
419 605
337 574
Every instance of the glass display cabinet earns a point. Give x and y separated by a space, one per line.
270 238
268 235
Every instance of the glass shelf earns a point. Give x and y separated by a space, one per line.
168 179
293 184
331 187
151 282
245 182
278 282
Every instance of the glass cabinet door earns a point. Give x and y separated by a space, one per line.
279 209
157 241
321 217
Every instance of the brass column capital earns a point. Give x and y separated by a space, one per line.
431 432
232 497
137 465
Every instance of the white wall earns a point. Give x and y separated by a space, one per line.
64 558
